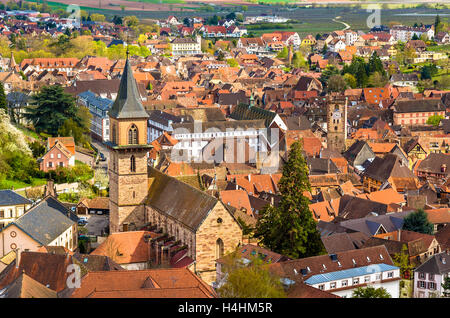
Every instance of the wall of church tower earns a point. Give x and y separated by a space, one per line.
122 128
127 190
336 126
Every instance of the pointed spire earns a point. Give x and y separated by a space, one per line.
128 101
12 61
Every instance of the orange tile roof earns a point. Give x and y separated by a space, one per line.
237 199
366 133
68 142
125 247
170 283
374 95
438 216
387 196
322 211
312 145
381 147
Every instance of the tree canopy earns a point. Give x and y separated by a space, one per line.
370 292
50 108
253 280
290 229
418 222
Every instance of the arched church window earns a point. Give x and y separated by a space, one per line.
133 135
219 248
132 164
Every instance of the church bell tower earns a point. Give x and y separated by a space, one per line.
128 181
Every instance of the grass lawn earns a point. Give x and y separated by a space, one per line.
8 184
158 1
439 48
28 132
444 78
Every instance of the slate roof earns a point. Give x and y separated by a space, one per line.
244 112
433 163
438 264
382 168
423 105
45 221
9 197
97 101
369 225
351 207
179 200
162 118
351 153
297 270
128 101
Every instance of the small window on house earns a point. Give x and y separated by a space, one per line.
322 287
332 285
390 274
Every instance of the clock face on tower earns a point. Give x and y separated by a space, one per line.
336 115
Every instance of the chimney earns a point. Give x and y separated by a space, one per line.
399 232
18 252
272 200
249 177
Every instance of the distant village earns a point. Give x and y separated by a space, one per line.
194 139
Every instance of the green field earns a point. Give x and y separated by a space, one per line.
9 184
158 1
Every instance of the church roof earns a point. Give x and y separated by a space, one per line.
128 103
181 201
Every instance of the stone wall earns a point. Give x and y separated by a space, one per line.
218 225
128 190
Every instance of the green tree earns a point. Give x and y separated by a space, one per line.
232 62
418 222
350 80
3 103
375 64
446 287
290 229
50 108
283 53
370 292
336 83
329 71
298 61
434 120
131 21
249 281
428 71
78 129
437 24
376 80
402 260
415 37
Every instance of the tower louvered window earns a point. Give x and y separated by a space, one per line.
133 135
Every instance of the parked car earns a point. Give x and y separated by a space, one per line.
102 157
82 220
